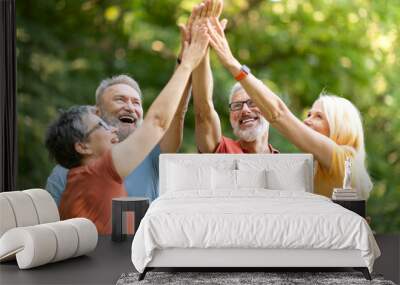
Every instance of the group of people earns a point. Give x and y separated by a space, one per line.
111 149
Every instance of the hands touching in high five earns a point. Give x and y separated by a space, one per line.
194 51
220 44
206 11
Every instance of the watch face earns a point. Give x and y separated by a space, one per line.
245 69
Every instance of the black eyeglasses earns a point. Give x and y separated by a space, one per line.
100 124
237 106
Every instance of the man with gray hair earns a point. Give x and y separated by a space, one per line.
246 119
247 122
119 104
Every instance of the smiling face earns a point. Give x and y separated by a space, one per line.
247 123
99 137
317 120
121 107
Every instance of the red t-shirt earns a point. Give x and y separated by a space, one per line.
89 191
227 145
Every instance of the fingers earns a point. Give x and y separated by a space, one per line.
196 12
217 26
213 42
192 17
212 33
204 37
206 12
209 8
203 11
184 33
224 22
217 8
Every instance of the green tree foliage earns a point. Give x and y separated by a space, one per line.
350 48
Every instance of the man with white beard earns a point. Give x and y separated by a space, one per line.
248 125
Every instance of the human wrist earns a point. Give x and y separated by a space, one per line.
204 62
179 57
233 66
186 64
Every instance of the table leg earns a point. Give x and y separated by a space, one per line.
117 220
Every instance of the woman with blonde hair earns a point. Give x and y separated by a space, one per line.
332 130
343 121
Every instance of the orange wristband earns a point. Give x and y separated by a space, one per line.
244 71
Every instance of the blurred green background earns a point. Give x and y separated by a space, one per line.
350 48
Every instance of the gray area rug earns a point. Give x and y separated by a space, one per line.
229 278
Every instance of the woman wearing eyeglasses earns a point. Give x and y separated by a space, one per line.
80 141
332 130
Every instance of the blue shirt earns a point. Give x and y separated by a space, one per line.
141 182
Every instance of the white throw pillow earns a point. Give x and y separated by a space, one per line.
182 177
294 180
224 179
251 178
281 174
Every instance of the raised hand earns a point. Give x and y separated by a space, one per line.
194 52
218 8
219 42
207 9
212 8
185 30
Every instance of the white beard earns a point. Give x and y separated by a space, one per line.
251 134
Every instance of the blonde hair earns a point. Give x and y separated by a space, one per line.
345 128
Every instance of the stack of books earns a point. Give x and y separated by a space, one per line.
344 194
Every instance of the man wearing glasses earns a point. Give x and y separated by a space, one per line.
119 103
248 124
82 142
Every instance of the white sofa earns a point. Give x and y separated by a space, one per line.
31 231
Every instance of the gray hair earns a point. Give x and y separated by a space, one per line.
117 79
236 88
68 129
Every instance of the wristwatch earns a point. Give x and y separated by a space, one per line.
244 71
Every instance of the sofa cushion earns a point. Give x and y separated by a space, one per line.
40 244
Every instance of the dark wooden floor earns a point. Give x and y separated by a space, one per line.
389 262
110 260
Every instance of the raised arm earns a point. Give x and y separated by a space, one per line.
271 106
172 140
207 123
128 154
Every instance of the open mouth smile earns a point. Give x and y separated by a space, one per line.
247 121
127 119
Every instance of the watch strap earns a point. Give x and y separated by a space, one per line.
244 71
